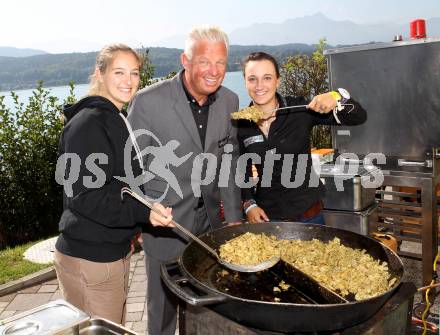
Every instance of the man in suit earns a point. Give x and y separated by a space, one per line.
193 109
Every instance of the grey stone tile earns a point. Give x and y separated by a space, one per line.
8 297
24 302
128 324
139 327
48 289
136 257
138 286
3 304
134 299
132 294
140 278
56 295
140 261
6 314
32 289
133 316
139 271
135 307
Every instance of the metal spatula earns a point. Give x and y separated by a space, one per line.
236 267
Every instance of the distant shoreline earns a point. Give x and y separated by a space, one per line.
233 80
59 69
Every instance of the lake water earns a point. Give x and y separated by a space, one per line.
233 80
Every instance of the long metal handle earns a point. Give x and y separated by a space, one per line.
350 160
178 226
289 107
298 106
404 162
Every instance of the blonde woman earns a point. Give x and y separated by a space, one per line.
92 254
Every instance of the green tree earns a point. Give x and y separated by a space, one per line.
148 69
307 76
147 72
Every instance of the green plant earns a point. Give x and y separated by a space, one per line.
30 199
148 69
307 76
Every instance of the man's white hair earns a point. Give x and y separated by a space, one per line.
205 33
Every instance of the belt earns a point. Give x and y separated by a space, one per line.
314 210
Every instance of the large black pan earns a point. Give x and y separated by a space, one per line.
194 278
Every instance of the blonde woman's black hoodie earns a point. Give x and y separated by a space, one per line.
96 224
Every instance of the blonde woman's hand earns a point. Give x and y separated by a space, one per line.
256 215
323 103
163 220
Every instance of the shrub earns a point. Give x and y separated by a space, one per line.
307 76
148 69
30 199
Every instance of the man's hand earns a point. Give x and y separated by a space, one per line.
163 220
256 215
323 103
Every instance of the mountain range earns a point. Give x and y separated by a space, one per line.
18 52
22 68
310 29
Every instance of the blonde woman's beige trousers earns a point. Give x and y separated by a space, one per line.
99 289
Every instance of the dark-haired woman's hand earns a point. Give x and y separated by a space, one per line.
323 103
256 215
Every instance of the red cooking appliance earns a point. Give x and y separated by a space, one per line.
417 29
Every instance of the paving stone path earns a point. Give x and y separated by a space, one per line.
31 297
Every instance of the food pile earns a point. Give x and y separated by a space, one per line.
249 249
335 266
251 113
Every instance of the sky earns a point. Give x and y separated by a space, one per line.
59 26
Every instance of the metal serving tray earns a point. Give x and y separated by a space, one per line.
357 222
56 317
345 190
99 326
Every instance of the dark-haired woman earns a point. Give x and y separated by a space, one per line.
287 188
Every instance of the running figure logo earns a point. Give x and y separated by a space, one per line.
163 157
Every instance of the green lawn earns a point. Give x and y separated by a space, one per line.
13 266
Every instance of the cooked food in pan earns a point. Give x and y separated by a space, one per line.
340 268
249 249
344 270
251 113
